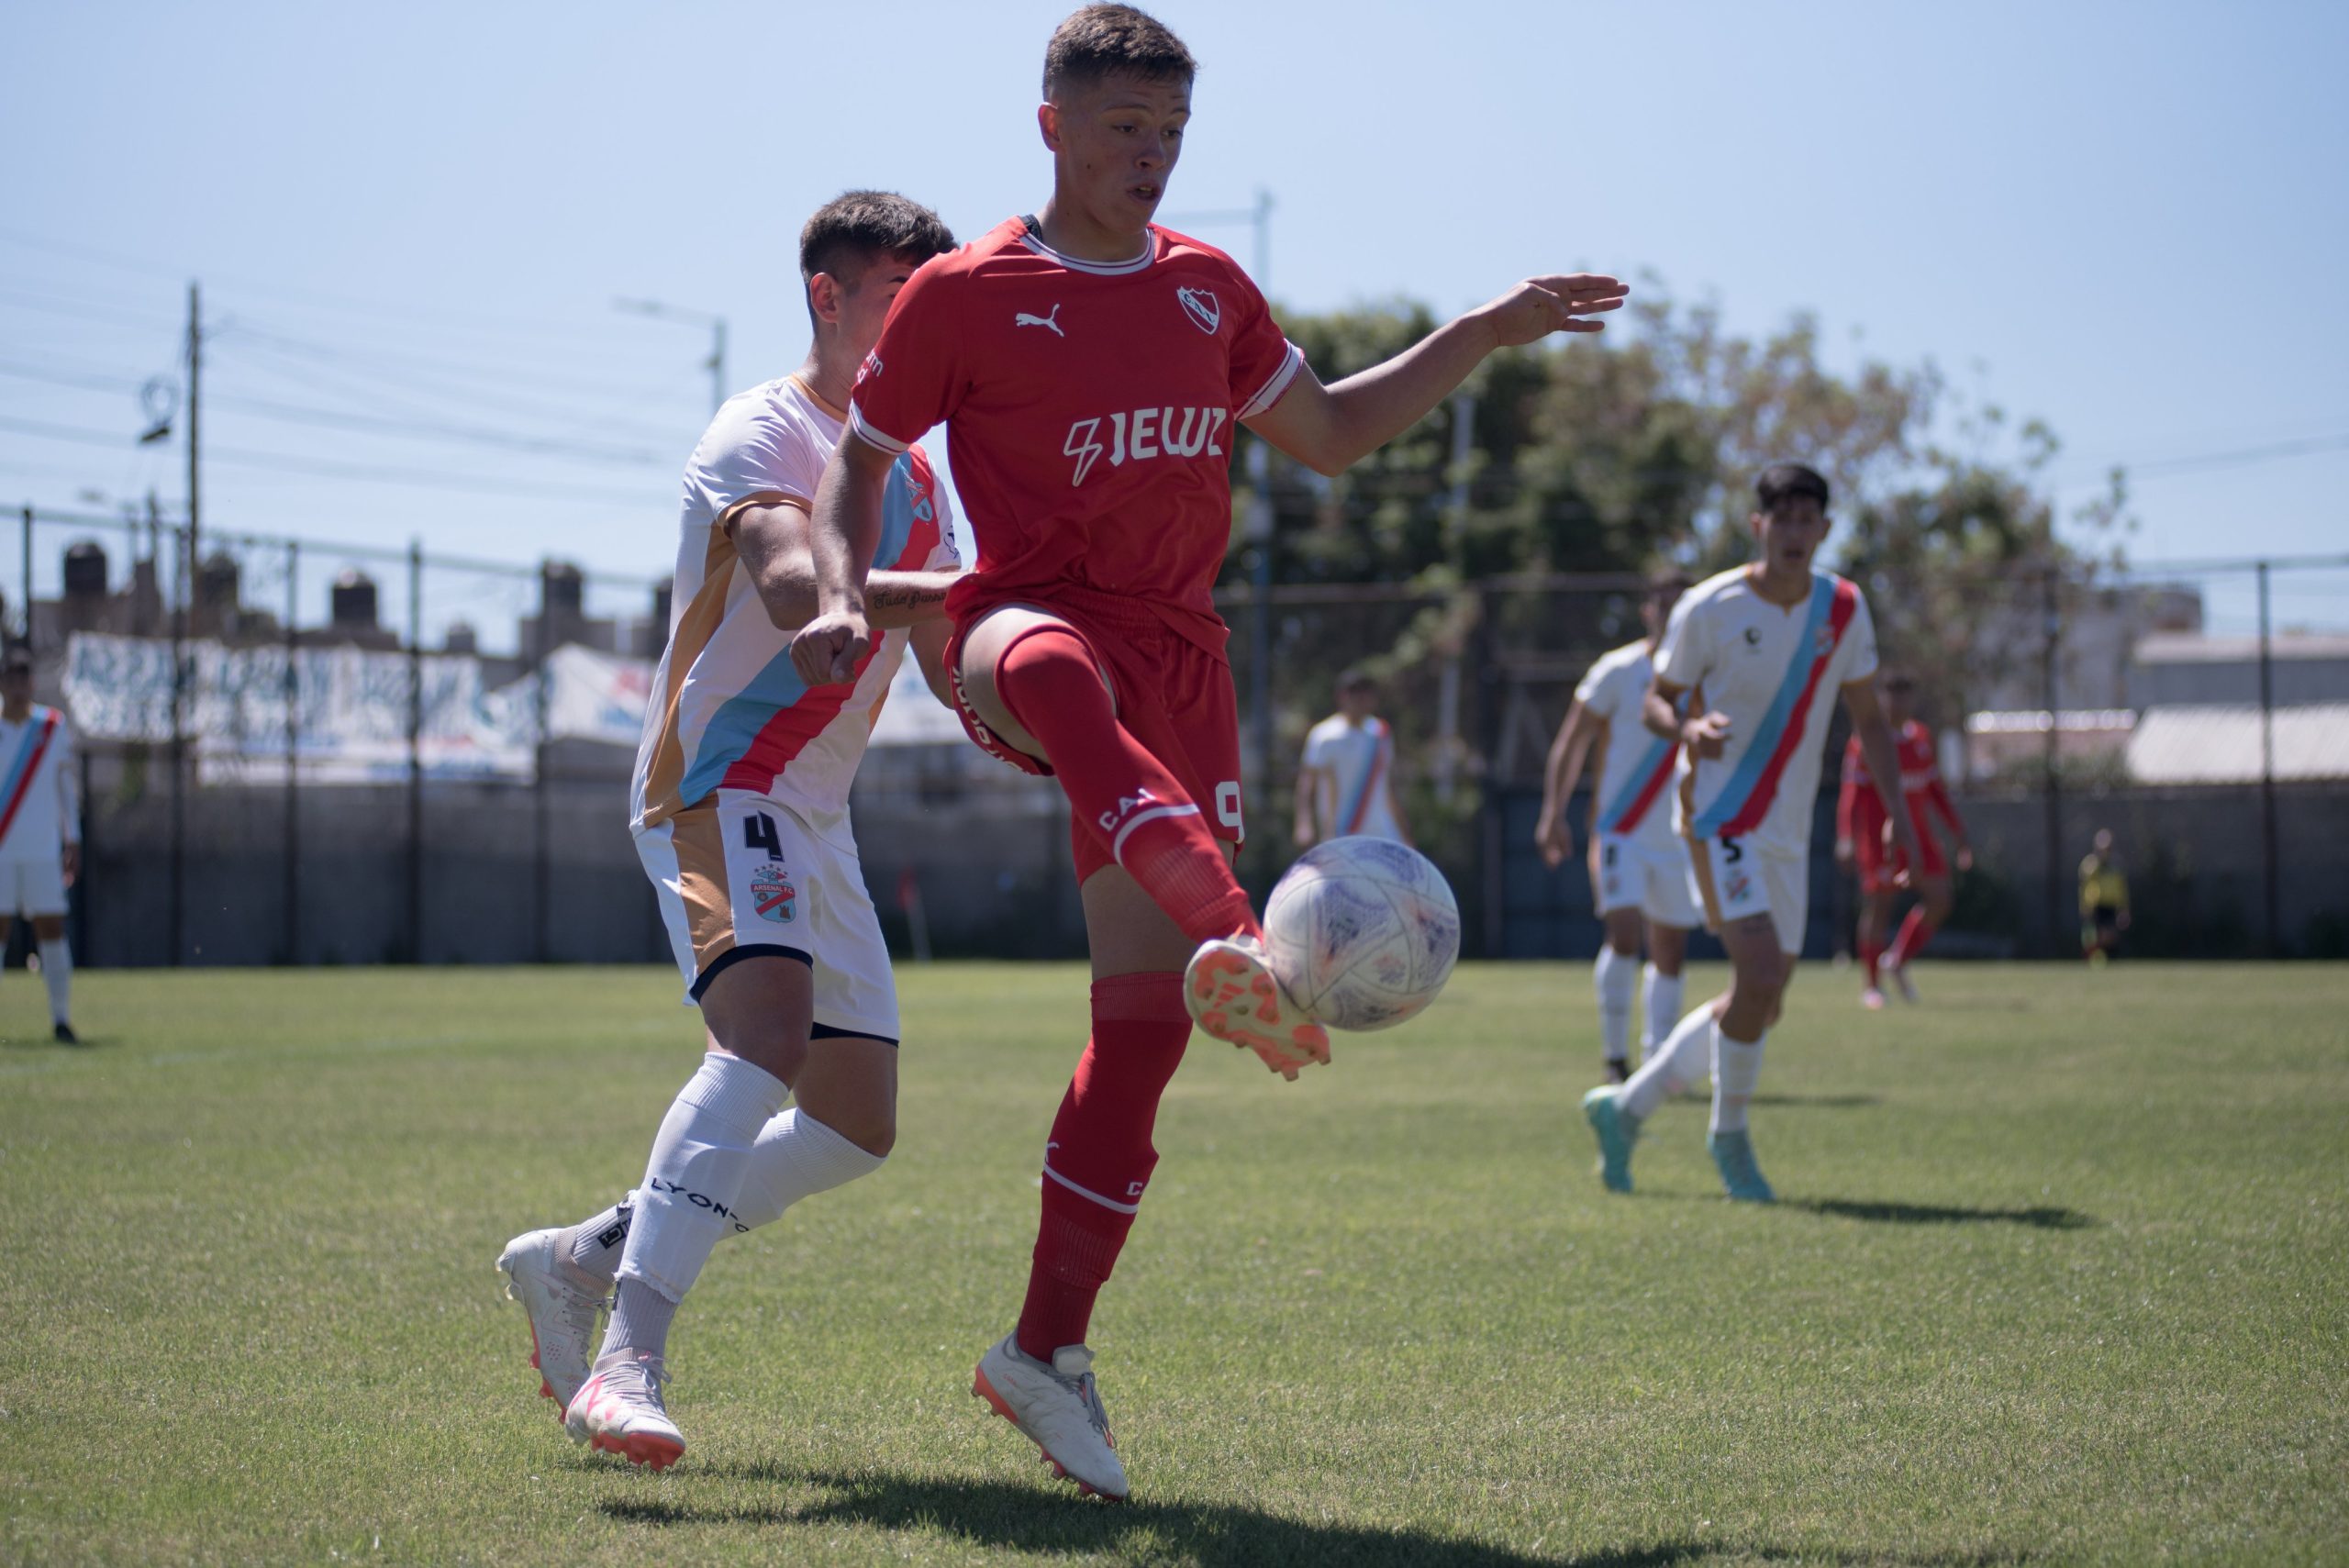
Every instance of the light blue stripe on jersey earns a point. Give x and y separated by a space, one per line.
1351 807
738 721
24 757
1765 744
1625 798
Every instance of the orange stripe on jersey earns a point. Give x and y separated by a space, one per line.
695 629
701 883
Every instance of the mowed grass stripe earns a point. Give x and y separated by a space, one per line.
2059 1276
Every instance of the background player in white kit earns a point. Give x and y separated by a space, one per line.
741 816
1639 873
1346 784
40 830
1765 649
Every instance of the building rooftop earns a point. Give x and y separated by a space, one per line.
2194 744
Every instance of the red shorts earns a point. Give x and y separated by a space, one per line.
1172 695
1879 864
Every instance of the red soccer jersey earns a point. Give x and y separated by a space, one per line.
1089 411
1860 814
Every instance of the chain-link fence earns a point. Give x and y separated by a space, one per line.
293 751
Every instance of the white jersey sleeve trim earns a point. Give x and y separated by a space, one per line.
1271 392
872 437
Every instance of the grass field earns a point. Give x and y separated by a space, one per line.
2061 1274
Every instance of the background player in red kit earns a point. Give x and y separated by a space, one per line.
1091 369
1861 839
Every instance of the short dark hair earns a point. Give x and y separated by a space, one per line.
1109 40
1356 679
1896 678
868 224
1669 583
17 660
1784 480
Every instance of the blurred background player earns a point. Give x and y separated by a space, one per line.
2104 902
1639 873
40 830
1346 784
1862 839
1090 368
1765 648
741 816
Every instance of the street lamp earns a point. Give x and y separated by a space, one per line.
716 364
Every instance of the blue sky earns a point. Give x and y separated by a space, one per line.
2128 220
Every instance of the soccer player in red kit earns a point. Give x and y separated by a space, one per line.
1091 369
1861 840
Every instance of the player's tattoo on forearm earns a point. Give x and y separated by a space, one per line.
904 596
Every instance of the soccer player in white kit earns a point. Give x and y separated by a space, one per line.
1763 649
40 830
1346 784
1639 877
740 810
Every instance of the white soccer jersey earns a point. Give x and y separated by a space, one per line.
727 708
1776 670
1355 762
1637 773
40 788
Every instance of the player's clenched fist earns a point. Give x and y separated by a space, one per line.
1539 307
1706 736
830 648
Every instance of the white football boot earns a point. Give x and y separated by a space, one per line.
563 1305
620 1410
1230 989
1058 1408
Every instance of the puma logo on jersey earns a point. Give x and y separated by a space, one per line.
1144 433
1021 318
1201 307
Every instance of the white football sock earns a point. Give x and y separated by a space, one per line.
57 973
596 1244
795 1157
1737 1067
693 1180
1660 1000
1671 1066
1616 977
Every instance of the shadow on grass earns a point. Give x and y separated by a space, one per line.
998 1515
1812 1102
2041 1219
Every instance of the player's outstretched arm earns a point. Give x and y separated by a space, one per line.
841 536
1560 772
1329 428
1883 755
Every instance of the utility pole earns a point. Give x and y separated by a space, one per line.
716 364
194 414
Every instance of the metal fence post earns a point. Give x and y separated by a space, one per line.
292 850
28 544
2268 867
541 852
173 925
2051 633
416 752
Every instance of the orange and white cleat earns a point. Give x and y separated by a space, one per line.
620 1410
564 1305
1056 1407
1232 996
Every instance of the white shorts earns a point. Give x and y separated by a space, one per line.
1737 880
32 886
1636 872
741 875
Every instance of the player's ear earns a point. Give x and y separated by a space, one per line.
1048 122
824 297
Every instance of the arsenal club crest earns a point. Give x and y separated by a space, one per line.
773 895
1200 305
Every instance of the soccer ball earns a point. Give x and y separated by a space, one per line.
1362 932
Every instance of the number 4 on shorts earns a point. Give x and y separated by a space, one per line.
758 833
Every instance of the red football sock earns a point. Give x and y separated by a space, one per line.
1871 955
1915 932
1099 1158
1117 788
